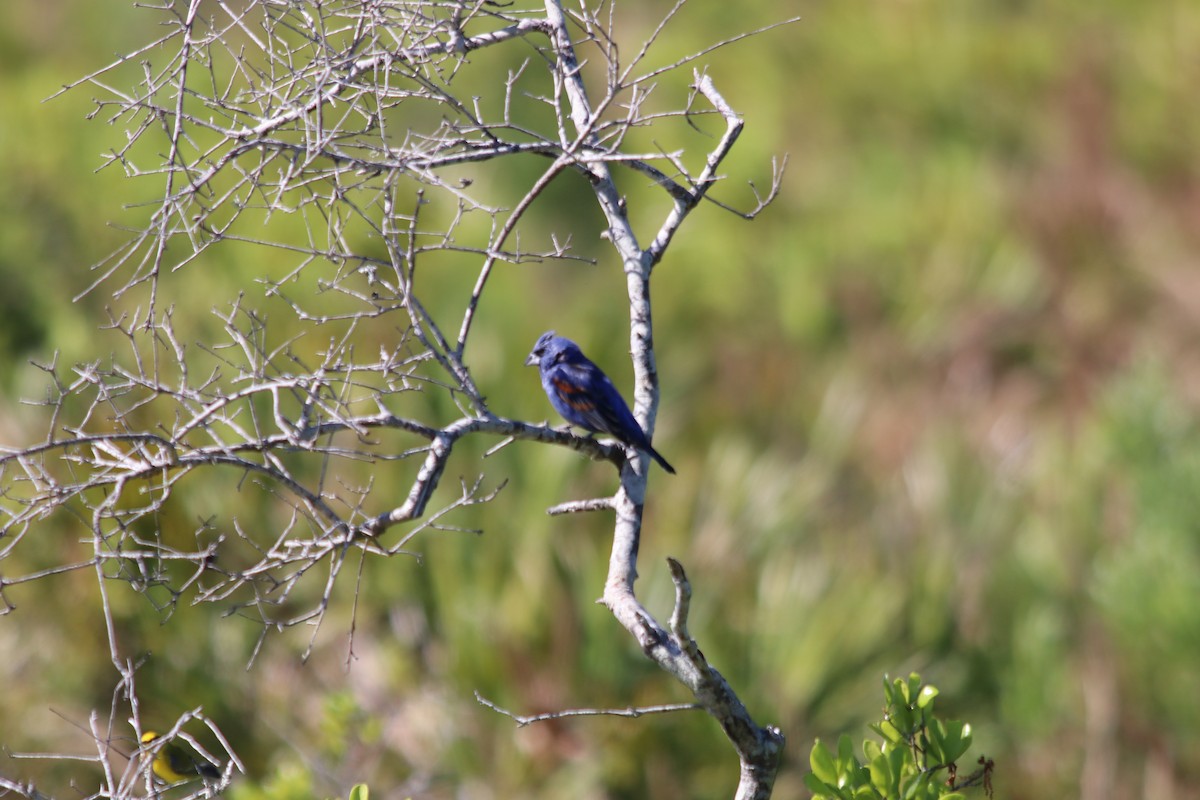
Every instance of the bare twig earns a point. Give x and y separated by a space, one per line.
523 720
580 506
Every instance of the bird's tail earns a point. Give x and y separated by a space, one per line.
662 461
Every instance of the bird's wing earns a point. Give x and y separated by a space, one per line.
575 394
598 400
618 419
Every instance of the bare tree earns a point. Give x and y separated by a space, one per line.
347 135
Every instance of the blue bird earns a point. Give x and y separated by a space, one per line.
583 394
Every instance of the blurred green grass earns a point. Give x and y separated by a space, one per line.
934 410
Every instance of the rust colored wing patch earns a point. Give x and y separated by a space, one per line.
573 395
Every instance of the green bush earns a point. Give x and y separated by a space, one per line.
916 759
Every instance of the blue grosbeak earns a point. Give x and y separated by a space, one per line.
583 394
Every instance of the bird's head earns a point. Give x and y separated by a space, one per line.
553 349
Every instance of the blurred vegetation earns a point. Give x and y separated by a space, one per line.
935 411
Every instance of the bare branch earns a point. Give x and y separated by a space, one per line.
523 720
580 506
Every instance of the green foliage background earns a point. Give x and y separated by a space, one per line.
936 410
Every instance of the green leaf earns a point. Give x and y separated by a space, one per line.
882 777
916 787
956 740
360 792
871 749
902 693
902 718
926 696
818 787
846 759
899 758
934 743
887 730
821 761
914 686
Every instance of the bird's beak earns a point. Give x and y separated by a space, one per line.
532 361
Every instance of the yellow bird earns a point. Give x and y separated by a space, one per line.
173 764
